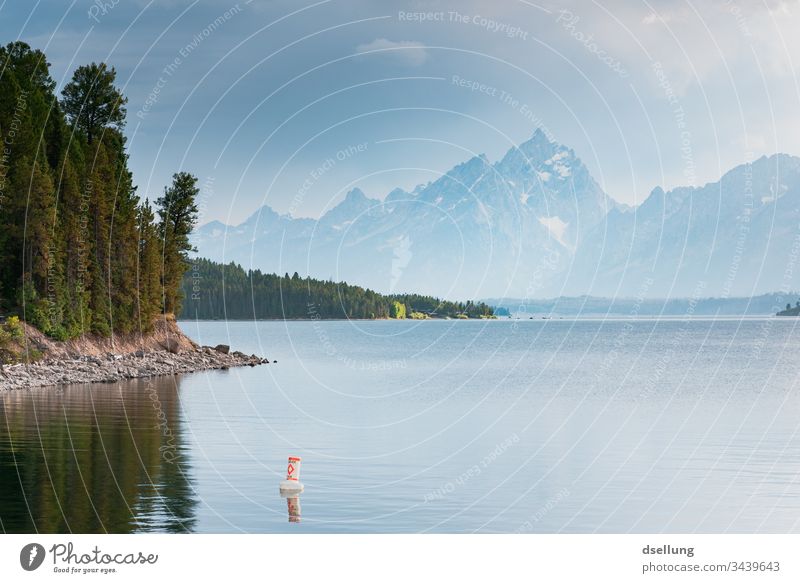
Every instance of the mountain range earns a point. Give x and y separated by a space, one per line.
536 224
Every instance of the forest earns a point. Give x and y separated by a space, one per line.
214 291
80 251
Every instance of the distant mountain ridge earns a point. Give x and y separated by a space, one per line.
536 224
628 308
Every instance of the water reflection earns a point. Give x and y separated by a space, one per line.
293 506
95 458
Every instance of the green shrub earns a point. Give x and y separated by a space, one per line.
13 327
10 330
397 310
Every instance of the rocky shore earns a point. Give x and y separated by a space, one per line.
117 367
165 351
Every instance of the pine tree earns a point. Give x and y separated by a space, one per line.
92 102
178 213
149 268
26 95
41 275
124 252
75 247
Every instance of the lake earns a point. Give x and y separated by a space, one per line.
579 426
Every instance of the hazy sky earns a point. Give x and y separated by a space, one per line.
292 103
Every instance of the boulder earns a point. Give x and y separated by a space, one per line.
171 345
223 348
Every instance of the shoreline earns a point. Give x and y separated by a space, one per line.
165 351
119 367
448 319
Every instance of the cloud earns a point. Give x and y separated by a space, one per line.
405 52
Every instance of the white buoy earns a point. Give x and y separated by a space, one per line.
292 485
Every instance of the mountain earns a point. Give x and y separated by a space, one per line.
537 224
734 237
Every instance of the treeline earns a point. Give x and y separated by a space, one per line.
215 292
79 251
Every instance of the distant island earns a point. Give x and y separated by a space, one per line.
595 306
790 311
214 291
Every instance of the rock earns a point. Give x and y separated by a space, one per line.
112 368
171 345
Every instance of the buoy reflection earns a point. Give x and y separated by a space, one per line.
293 505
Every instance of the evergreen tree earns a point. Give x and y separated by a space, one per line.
149 267
74 249
41 273
178 213
92 102
26 97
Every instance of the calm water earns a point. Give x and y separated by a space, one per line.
451 426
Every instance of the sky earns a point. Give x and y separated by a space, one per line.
294 103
